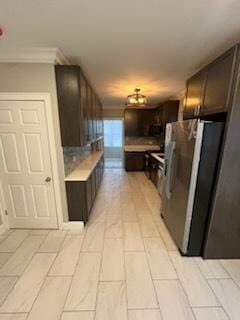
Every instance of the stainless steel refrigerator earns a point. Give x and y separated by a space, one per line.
192 150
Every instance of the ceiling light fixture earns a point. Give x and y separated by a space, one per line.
136 99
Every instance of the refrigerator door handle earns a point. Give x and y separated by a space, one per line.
170 170
165 167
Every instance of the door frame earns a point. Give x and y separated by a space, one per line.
46 98
123 136
4 226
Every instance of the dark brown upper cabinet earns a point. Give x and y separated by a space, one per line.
85 131
69 104
217 94
210 90
194 95
166 113
89 113
138 122
170 111
79 113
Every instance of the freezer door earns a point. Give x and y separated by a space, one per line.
183 154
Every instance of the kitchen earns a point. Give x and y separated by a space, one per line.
119 160
187 168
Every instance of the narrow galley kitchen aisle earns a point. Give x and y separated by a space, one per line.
124 266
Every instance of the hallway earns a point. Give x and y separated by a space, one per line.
124 266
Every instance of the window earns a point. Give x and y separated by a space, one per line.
113 133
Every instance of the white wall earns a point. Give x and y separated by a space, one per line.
31 77
113 113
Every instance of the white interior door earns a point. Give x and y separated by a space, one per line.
25 165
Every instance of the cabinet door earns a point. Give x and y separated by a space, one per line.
146 120
69 104
218 84
76 200
131 122
134 161
138 122
158 114
154 170
89 112
89 194
95 115
194 94
93 177
84 132
170 112
102 168
99 172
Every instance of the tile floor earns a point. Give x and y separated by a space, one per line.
124 266
113 163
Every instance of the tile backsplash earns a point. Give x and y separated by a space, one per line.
141 140
73 156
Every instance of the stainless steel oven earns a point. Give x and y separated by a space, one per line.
160 174
147 165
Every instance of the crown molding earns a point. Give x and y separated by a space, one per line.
33 55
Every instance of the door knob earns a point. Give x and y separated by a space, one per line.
48 179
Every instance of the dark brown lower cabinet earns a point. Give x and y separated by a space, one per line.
93 178
88 194
81 194
134 161
78 201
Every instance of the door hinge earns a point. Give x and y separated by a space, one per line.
6 212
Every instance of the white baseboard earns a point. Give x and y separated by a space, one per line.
2 229
73 225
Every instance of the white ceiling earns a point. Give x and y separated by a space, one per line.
152 44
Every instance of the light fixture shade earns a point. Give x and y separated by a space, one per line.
136 99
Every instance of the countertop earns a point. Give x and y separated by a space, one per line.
158 156
85 168
141 147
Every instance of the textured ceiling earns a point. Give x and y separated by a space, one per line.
151 44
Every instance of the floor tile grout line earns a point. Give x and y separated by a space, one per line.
185 290
217 297
125 267
150 272
99 272
151 213
191 259
19 279
219 307
29 260
125 273
43 281
214 278
141 233
10 255
230 276
60 249
19 243
70 284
